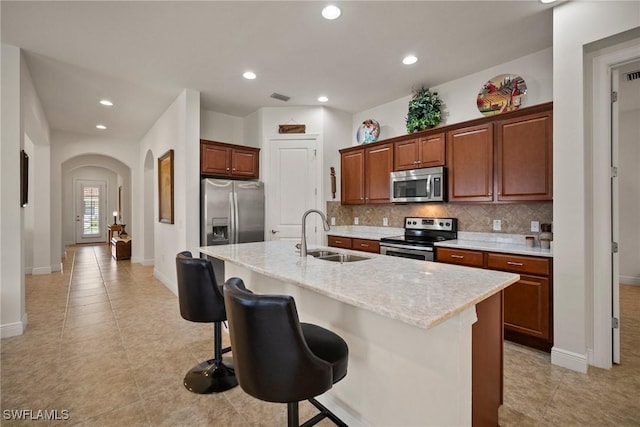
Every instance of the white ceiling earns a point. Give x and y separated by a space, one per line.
141 55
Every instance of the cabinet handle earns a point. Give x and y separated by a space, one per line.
338 241
457 256
364 245
227 168
489 194
415 162
233 169
519 264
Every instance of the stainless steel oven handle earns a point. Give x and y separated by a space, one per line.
410 247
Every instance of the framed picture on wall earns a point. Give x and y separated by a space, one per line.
165 187
24 178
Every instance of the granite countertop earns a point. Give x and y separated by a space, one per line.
364 231
495 242
419 293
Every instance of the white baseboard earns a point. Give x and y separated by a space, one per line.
147 262
570 360
41 270
14 329
630 280
338 408
56 267
166 281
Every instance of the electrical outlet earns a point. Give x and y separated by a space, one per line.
497 225
535 226
385 222
356 220
333 220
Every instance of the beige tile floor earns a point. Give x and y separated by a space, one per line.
105 342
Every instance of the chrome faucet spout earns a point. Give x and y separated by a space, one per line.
303 239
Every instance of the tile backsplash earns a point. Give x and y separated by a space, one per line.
516 217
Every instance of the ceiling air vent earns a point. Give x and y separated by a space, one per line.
281 97
634 75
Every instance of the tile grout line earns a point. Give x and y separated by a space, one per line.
124 347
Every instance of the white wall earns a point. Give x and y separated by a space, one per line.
72 150
221 127
629 178
179 129
36 141
336 135
575 24
13 318
82 168
459 96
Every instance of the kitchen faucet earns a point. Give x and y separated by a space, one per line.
303 240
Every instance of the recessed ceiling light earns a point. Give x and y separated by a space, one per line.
409 59
331 12
106 102
547 1
101 127
249 75
323 99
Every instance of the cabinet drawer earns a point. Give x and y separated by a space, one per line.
461 257
518 264
366 245
339 242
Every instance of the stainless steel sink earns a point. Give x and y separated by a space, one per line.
335 256
341 258
317 253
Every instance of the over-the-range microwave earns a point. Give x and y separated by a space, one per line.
418 185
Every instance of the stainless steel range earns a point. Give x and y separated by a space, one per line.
420 234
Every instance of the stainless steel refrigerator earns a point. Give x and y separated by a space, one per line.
232 212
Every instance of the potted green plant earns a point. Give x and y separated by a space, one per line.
424 110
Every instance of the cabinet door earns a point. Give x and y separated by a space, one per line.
524 158
244 163
470 164
527 307
352 183
406 154
460 257
432 150
215 159
339 242
366 245
378 167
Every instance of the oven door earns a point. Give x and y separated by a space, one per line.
423 253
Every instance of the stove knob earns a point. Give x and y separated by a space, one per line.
448 224
441 224
414 223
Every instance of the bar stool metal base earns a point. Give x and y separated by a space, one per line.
211 377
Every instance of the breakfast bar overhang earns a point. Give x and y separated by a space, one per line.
409 325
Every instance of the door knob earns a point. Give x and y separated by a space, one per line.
274 231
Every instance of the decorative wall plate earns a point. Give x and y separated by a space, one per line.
501 94
368 132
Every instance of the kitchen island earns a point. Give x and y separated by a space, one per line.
408 325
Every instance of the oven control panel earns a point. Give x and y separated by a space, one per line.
442 224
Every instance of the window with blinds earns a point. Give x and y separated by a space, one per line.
90 210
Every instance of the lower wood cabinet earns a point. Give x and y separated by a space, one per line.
528 307
365 245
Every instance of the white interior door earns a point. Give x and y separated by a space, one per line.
90 207
293 189
615 219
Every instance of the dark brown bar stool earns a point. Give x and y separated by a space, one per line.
279 359
201 300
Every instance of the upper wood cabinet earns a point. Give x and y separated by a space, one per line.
524 158
421 152
502 161
470 164
218 159
365 174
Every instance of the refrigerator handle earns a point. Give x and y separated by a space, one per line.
235 219
232 223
